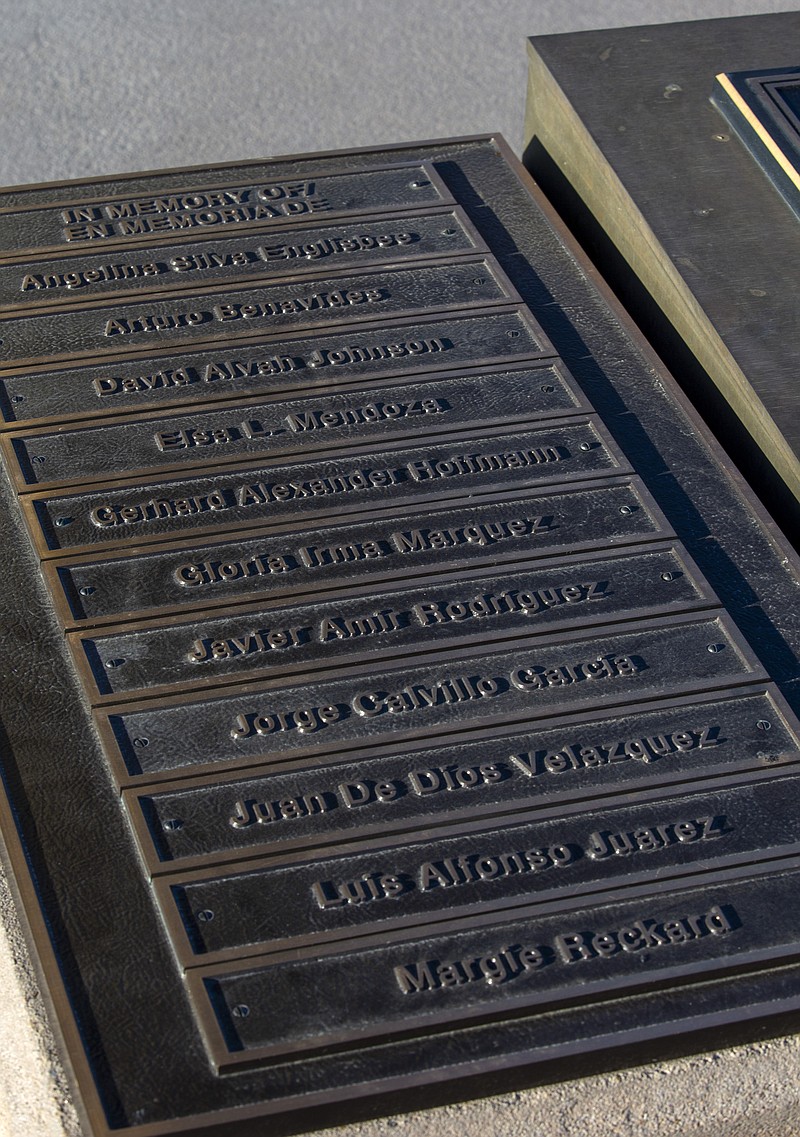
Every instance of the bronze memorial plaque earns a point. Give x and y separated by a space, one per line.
399 689
276 493
176 655
144 210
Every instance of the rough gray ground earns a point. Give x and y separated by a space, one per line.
101 86
92 87
743 1092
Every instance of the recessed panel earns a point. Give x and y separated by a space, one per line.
87 274
265 908
159 208
525 963
256 369
508 769
763 107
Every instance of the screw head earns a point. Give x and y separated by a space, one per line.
240 1011
87 590
205 916
764 724
172 824
715 648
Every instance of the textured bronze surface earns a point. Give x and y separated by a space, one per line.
230 313
284 493
333 420
520 524
523 962
147 216
278 252
374 624
397 348
275 721
549 767
260 909
395 689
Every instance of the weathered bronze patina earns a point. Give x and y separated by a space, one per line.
271 494
551 765
329 421
398 686
151 209
397 348
56 279
242 643
231 313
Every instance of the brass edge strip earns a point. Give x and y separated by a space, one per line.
758 128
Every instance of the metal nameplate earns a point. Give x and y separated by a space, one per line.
244 257
229 313
269 723
283 494
516 526
260 908
84 276
326 421
323 360
212 820
136 211
368 625
697 928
